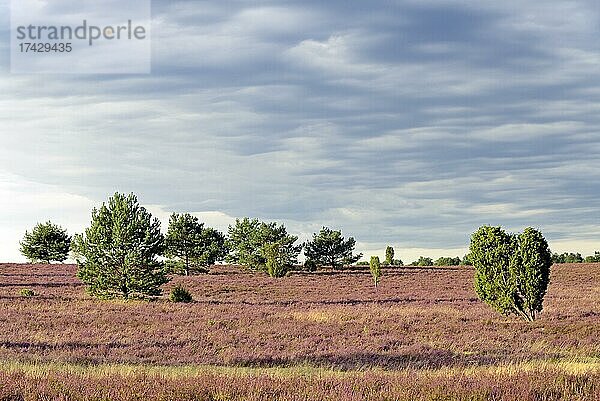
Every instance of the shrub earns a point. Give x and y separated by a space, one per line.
180 294
46 243
118 254
26 292
375 267
329 248
512 272
191 246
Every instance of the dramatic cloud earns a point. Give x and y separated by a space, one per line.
408 124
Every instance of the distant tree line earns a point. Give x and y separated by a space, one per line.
570 257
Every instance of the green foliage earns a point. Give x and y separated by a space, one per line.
310 265
363 263
466 260
447 261
512 272
46 243
192 247
567 257
389 255
247 239
329 248
397 262
375 267
277 263
593 259
180 294
423 262
27 292
118 254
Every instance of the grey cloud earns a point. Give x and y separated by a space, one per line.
410 123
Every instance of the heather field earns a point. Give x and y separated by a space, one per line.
423 335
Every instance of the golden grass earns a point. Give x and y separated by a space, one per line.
577 366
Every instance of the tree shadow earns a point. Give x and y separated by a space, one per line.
426 359
38 284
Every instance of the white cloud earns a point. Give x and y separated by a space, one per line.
25 203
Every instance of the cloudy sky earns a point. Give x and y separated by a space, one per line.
408 123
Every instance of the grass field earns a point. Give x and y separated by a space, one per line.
423 335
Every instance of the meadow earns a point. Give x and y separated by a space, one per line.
422 335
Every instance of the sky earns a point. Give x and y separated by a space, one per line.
407 123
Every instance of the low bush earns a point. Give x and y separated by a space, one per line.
180 294
27 292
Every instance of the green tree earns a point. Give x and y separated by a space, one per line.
567 257
593 259
118 254
530 266
192 247
247 239
445 261
375 267
423 262
466 260
277 263
389 255
511 271
310 265
46 243
329 248
558 258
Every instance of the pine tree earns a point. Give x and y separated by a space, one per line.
329 248
46 243
118 254
247 240
191 246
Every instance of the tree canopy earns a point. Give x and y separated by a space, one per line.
249 241
46 243
329 248
191 246
118 254
512 271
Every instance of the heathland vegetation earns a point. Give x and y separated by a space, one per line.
119 255
326 331
422 335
